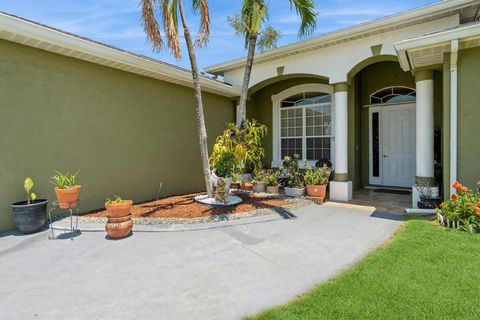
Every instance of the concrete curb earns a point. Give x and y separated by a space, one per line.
180 227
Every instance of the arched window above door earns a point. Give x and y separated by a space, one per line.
393 95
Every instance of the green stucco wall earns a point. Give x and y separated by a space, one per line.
260 107
469 116
126 132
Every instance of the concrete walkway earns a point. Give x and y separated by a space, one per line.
214 273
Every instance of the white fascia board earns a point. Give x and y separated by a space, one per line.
434 40
40 33
418 14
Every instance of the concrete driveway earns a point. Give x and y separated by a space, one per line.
220 271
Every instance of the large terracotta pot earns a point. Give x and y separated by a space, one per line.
119 210
272 189
67 198
118 228
119 224
318 191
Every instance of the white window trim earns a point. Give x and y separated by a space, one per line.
276 103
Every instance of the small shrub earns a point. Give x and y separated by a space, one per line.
319 176
225 166
464 206
271 178
292 172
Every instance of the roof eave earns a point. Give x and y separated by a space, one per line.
31 34
440 39
418 14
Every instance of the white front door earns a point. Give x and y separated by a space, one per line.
392 145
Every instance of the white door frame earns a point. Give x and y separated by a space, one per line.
373 109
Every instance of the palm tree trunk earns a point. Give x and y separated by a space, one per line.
242 108
202 131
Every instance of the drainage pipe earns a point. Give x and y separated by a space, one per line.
453 113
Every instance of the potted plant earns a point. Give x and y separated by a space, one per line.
258 181
29 216
424 188
317 181
224 169
66 189
119 224
246 146
295 185
271 180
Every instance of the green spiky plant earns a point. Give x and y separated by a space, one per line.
116 199
28 185
64 181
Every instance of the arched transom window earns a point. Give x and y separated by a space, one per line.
393 95
306 126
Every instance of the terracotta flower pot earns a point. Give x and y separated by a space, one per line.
318 191
272 189
118 228
119 210
247 186
67 198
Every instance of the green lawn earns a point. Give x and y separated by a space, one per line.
424 272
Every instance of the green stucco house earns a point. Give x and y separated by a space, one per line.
389 103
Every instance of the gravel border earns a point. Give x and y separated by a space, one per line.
283 211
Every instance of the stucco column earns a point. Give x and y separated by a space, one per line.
341 187
424 131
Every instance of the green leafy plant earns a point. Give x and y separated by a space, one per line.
245 144
271 178
116 199
28 185
464 207
292 172
225 166
319 176
258 177
64 181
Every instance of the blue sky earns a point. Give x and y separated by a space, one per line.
117 22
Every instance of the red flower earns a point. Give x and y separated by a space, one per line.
464 189
441 205
478 204
457 185
478 183
454 197
477 213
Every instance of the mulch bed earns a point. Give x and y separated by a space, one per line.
185 206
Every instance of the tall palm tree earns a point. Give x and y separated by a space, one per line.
169 11
249 24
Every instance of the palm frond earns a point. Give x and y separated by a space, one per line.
150 24
169 12
308 16
204 33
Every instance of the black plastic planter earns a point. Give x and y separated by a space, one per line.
29 217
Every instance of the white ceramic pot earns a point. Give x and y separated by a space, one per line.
259 187
294 192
